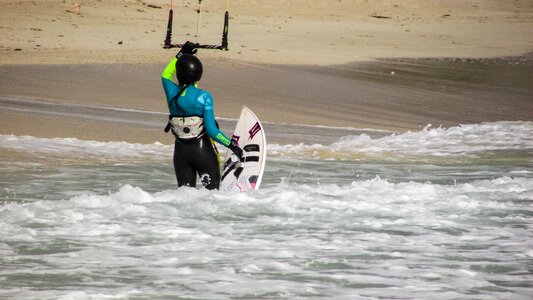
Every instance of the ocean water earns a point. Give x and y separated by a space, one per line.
434 214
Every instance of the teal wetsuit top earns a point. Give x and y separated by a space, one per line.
192 102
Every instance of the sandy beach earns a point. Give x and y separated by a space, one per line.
385 65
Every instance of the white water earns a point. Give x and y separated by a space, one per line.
435 214
468 139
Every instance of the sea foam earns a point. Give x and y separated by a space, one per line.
461 140
367 237
464 140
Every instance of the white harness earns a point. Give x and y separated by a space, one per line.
187 128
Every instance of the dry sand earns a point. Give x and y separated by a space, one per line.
292 61
319 32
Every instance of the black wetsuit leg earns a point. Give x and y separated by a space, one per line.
199 157
185 174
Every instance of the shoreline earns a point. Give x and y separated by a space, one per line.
110 124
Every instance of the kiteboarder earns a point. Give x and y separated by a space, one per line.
192 122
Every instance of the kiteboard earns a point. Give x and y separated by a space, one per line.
245 175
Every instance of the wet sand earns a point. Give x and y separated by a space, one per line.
390 94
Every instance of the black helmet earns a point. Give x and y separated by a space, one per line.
189 69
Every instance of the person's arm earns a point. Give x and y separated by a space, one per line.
212 129
171 89
168 85
210 124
